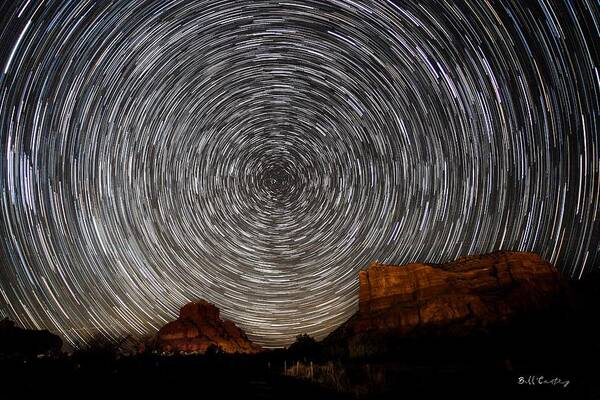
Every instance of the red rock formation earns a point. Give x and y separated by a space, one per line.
200 327
471 293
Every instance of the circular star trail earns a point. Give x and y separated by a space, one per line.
258 154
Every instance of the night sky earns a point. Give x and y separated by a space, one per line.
258 154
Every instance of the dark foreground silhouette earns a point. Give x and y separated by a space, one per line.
219 376
547 356
552 353
442 369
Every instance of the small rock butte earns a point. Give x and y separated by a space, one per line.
199 327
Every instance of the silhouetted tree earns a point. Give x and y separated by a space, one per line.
306 348
213 351
100 350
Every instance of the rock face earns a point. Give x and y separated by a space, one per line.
468 295
26 342
198 328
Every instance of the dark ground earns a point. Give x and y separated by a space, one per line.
151 376
261 377
563 343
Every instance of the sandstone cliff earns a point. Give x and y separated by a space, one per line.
200 327
471 294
